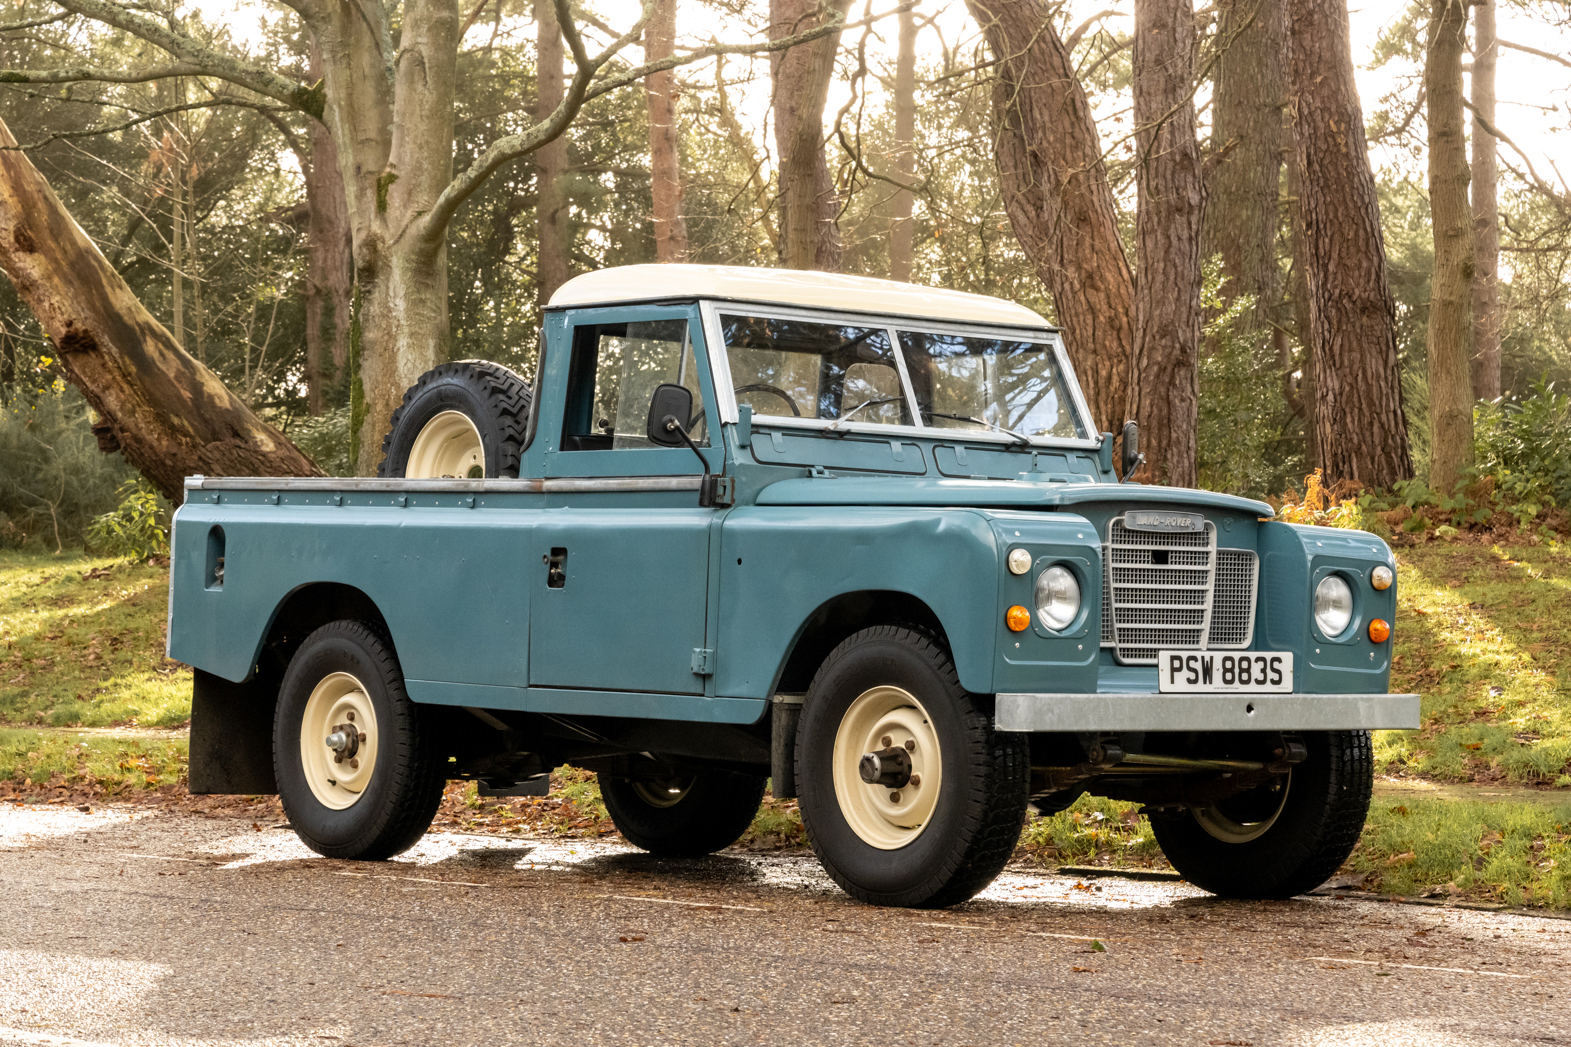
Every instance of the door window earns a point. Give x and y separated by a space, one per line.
613 374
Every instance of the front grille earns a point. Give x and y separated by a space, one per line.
1165 590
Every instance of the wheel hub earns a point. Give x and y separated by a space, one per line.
887 767
338 741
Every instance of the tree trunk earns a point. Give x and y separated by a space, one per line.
665 163
1243 210
170 416
809 205
900 226
1164 392
403 309
1486 208
1451 287
550 160
1056 194
1360 433
329 286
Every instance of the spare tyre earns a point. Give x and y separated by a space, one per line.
462 420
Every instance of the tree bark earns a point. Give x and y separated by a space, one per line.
1243 211
1486 207
1164 393
1056 193
900 225
809 204
551 160
170 416
329 285
1360 433
1451 287
665 163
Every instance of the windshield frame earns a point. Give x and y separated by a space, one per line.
720 370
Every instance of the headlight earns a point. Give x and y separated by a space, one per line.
1057 598
1333 605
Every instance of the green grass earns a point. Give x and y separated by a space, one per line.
82 644
1512 853
1484 635
33 763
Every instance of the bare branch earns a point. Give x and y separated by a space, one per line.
1081 29
104 76
201 58
1534 51
137 121
34 24
1542 186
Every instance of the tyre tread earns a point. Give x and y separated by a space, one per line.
504 391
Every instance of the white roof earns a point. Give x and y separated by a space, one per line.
862 294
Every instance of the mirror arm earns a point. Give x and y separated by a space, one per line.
706 490
1140 459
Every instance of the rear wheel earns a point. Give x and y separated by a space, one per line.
1281 838
355 772
461 420
908 794
683 815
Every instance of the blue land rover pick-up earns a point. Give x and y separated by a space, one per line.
853 536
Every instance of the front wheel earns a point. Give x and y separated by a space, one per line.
355 774
683 815
1281 838
909 795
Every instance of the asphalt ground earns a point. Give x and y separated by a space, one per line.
141 928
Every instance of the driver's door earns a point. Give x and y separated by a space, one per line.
622 554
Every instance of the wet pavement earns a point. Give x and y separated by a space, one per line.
137 928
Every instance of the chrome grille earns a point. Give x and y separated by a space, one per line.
1175 591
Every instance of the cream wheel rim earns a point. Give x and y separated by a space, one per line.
880 718
1223 827
338 776
448 447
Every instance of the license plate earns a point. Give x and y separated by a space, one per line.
1183 672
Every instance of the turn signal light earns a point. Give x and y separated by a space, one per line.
1379 630
1018 619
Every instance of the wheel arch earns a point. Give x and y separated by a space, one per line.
231 748
839 617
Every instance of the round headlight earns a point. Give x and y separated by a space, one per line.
1057 598
1333 604
1381 577
1019 561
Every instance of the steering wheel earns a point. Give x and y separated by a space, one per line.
764 387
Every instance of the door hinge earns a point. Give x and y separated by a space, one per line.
704 661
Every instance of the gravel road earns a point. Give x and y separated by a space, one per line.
135 928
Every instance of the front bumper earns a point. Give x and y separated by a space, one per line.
1206 712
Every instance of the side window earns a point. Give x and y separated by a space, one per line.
612 376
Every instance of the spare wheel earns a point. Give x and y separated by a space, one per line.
461 420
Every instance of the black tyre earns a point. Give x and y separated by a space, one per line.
355 774
946 817
465 420
684 816
1278 842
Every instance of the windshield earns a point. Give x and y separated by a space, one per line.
868 373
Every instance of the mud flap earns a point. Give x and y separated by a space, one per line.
232 735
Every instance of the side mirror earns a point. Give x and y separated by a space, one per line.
670 404
1131 456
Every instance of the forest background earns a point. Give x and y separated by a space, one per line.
219 208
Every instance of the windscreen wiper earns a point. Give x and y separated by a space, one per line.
865 403
1026 440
